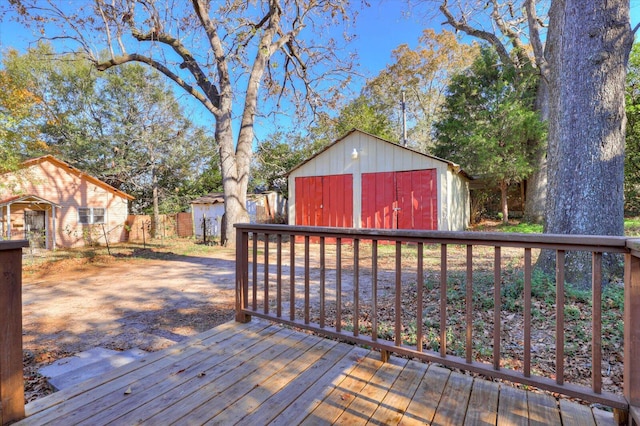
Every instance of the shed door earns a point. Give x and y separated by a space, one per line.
379 200
417 200
400 200
324 201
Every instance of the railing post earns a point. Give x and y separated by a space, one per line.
11 376
242 274
631 329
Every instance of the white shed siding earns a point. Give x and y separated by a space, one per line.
458 204
374 156
213 212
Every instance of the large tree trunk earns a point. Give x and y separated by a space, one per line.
234 182
587 49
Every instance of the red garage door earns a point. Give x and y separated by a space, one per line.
324 201
400 200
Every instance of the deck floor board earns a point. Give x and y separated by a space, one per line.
260 373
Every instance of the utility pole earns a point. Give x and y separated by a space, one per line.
404 121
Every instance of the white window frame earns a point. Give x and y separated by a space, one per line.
91 215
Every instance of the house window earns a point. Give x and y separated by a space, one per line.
90 215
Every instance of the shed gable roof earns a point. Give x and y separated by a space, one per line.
450 164
212 198
76 172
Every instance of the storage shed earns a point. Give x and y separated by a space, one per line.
363 181
207 211
207 214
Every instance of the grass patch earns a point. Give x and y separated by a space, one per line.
632 226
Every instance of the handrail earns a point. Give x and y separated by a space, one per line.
259 276
11 376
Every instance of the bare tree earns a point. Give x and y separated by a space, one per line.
225 57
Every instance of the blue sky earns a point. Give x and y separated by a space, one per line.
380 29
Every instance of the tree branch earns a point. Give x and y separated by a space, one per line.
462 25
188 61
134 57
201 9
534 38
506 27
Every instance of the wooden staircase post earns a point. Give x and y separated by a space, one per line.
11 375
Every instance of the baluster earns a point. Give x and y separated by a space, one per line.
266 274
527 312
497 307
306 279
279 276
560 317
338 284
443 300
356 287
469 305
292 278
596 309
420 289
374 289
322 282
398 301
254 296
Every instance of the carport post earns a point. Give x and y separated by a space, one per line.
11 376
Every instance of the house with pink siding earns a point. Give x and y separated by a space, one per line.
53 204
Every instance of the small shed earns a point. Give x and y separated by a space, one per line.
266 207
207 214
363 181
207 211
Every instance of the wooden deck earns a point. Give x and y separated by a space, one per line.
259 373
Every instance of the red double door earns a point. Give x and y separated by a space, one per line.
400 200
324 201
390 200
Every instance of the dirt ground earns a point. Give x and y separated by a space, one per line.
154 298
120 304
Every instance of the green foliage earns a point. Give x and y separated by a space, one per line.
19 108
360 113
632 140
124 126
274 157
488 124
422 74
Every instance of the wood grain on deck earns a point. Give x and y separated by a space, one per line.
260 373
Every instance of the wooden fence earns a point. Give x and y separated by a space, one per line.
141 227
303 285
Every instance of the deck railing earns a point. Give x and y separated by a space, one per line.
335 281
11 378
